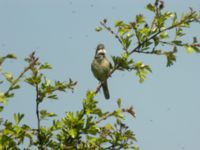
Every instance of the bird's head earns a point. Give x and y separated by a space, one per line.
100 50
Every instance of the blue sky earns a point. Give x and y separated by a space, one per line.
62 32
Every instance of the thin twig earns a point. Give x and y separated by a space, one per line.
20 76
37 108
115 34
124 110
137 48
111 31
105 117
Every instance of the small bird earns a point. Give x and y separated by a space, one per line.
101 68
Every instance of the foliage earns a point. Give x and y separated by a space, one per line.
163 36
89 127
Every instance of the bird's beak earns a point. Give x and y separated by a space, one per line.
101 51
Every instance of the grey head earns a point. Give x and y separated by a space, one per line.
100 50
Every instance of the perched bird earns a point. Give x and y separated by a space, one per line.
101 68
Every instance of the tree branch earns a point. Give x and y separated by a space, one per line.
20 76
124 110
37 108
115 34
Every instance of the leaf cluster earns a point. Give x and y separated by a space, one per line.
162 36
81 130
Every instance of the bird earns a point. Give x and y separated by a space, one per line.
101 68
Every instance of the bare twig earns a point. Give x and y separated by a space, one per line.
115 34
37 108
130 111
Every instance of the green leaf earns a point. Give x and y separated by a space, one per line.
196 48
11 56
142 70
8 76
171 58
144 31
44 114
124 30
177 42
3 98
151 7
73 132
53 97
93 130
164 35
140 19
189 49
18 117
34 80
15 87
156 41
126 41
119 23
45 66
174 22
98 29
119 102
123 62
109 126
179 33
118 114
168 15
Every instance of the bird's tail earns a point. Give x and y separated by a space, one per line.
105 90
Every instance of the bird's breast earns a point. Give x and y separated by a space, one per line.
101 69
